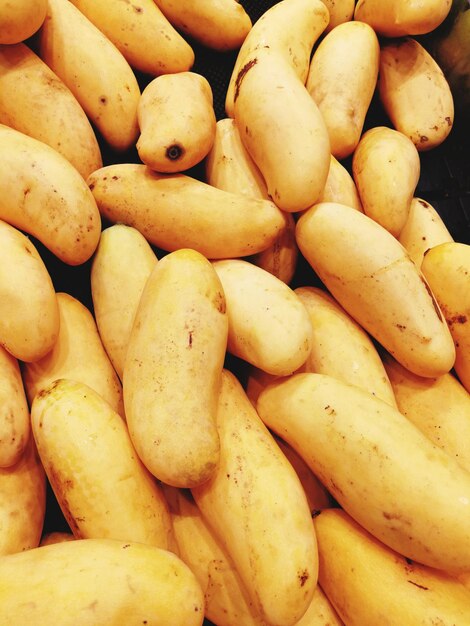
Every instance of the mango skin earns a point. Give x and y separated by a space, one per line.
173 367
370 274
144 585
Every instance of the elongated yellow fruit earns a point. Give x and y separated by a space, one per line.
341 347
447 269
57 118
226 599
218 24
340 11
173 366
340 187
14 411
317 496
370 584
439 407
78 354
395 19
142 34
370 274
342 78
94 70
184 100
282 129
103 489
268 325
144 585
386 169
176 211
19 20
228 166
291 27
29 324
253 483
415 93
121 265
381 469
42 194
423 229
22 502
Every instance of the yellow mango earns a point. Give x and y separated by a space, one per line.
184 101
121 265
57 118
381 469
144 585
172 369
78 354
254 483
143 35
176 211
370 584
100 484
22 502
447 269
14 411
30 322
370 274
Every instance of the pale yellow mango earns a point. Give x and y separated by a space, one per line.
143 584
30 322
254 483
78 354
184 101
172 370
143 35
56 118
14 411
121 265
100 484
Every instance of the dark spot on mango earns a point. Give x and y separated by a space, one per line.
174 152
418 585
303 577
457 319
433 300
241 75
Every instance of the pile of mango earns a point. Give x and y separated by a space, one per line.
224 445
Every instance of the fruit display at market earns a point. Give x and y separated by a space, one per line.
235 313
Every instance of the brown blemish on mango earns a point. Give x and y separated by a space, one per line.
418 585
219 302
457 319
42 393
303 577
433 300
174 152
241 75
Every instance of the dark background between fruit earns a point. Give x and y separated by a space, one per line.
444 183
